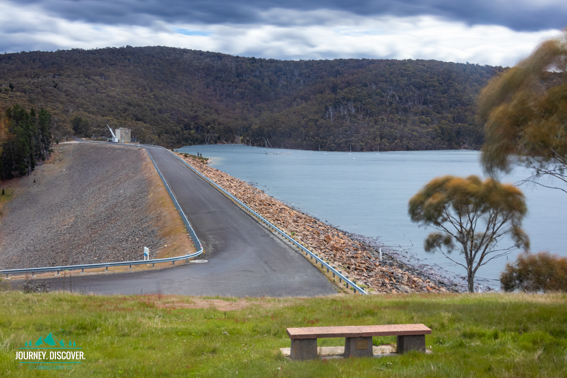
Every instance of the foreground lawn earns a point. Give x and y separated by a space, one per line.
499 335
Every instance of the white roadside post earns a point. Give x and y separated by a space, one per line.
146 253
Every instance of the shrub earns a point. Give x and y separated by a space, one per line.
35 287
534 273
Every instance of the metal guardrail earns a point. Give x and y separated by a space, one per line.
194 237
82 267
313 256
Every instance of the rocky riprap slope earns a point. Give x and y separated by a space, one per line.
90 205
357 259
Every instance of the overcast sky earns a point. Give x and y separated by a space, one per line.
495 32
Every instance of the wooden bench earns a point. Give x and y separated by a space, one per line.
358 339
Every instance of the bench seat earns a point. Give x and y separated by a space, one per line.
358 339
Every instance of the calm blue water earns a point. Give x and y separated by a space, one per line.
367 193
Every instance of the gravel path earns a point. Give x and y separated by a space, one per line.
91 205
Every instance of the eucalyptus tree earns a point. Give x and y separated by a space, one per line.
525 115
472 217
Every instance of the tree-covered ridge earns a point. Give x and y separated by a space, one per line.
25 138
176 97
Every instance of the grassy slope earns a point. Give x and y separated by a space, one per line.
4 198
497 335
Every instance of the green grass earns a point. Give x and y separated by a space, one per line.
496 335
8 195
4 198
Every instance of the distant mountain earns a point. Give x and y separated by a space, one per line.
177 97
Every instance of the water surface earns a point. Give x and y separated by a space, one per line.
367 193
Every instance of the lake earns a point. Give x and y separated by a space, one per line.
367 193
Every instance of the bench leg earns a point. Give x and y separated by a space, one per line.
407 343
303 349
358 347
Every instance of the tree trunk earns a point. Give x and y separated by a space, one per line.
470 279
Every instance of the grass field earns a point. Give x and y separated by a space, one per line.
4 198
494 335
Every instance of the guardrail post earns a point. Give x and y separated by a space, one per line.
82 271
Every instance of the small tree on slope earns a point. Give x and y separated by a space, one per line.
473 214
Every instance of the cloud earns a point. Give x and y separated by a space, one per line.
422 37
519 15
319 34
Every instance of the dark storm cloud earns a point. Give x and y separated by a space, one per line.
517 15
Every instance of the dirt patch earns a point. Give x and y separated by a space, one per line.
217 304
173 302
92 203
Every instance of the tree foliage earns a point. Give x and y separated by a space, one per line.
177 97
81 126
25 138
525 112
536 273
471 216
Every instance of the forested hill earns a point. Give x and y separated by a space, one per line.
177 97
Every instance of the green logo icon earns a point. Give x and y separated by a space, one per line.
50 342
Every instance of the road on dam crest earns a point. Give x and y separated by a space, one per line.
244 258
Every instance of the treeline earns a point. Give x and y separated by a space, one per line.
177 97
25 138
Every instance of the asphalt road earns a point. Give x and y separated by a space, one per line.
244 258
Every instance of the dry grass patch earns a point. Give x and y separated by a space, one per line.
174 302
168 220
217 304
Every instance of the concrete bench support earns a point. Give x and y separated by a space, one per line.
358 339
303 349
358 347
408 343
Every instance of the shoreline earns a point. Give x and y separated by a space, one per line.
354 255
402 257
299 149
